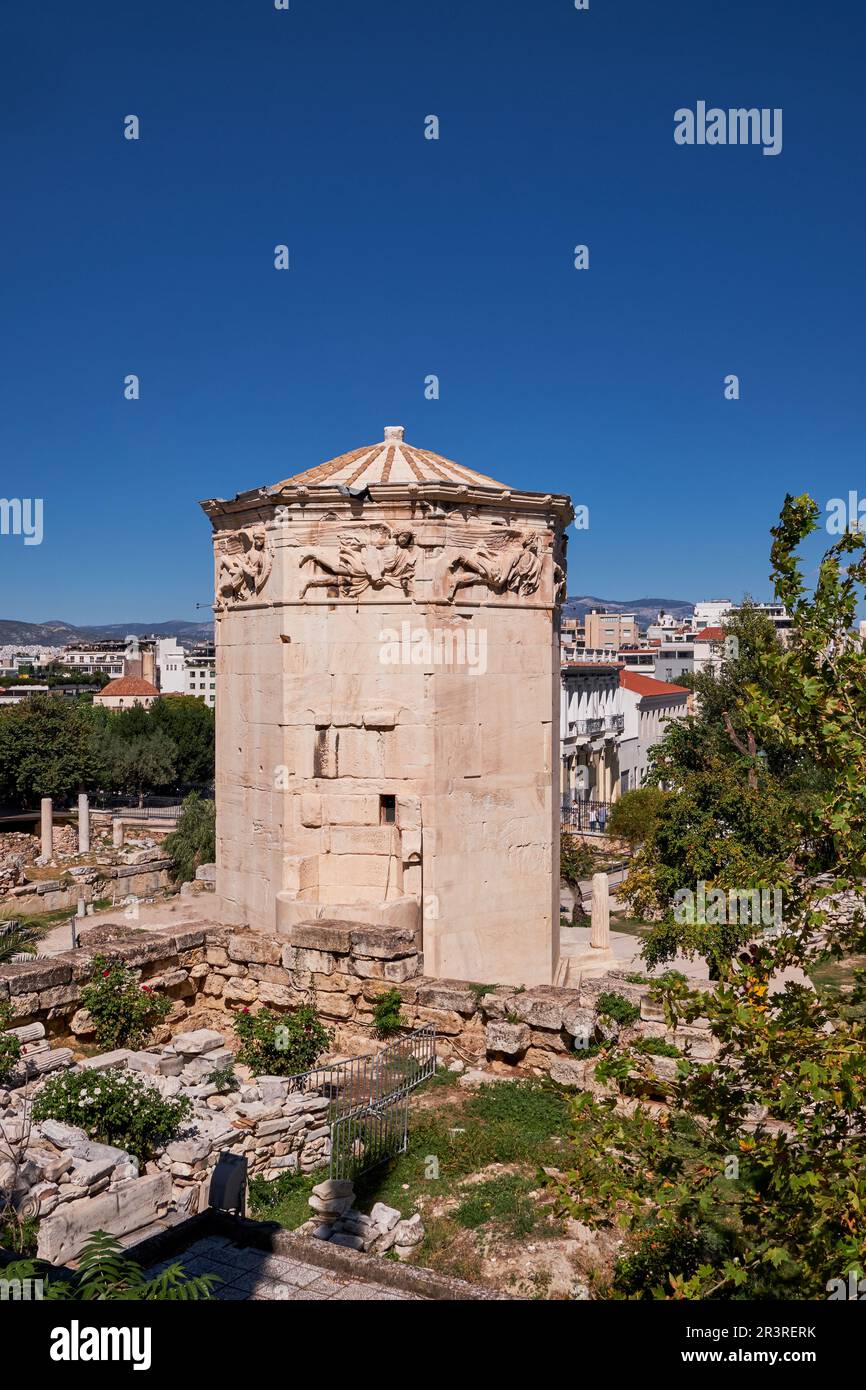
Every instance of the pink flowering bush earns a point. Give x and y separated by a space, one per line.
124 1011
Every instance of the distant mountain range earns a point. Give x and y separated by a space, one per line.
646 610
57 634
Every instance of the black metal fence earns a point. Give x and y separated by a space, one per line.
368 1100
586 815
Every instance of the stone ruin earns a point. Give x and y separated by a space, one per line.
74 1186
387 657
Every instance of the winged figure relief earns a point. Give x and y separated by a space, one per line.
243 565
509 563
375 559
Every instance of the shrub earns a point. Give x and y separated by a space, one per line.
114 1107
106 1274
387 1015
10 1046
660 1252
223 1078
124 1011
633 817
576 860
281 1045
656 1047
616 1006
194 841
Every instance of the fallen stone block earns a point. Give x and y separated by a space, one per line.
62 1135
127 1209
511 1039
106 1060
385 1217
193 1044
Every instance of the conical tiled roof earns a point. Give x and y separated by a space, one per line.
390 461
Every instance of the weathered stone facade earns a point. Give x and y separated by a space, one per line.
388 717
342 968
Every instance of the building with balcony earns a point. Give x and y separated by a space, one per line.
200 673
591 722
648 705
108 657
610 718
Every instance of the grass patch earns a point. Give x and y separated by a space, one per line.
630 925
45 919
285 1199
504 1201
522 1124
504 1122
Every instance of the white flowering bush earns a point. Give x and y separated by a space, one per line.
114 1107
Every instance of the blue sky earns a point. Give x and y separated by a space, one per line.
411 257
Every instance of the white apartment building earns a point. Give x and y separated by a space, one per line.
778 615
647 705
591 721
610 717
200 674
711 612
110 657
170 666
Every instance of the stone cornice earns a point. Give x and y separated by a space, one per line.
261 503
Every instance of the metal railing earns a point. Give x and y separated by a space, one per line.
609 723
368 1100
586 815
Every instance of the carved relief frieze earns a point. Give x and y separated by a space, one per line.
243 563
509 563
371 559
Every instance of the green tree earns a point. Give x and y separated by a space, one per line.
189 723
728 804
758 1165
46 749
576 859
634 816
194 841
138 763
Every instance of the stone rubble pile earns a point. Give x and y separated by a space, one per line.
74 1186
37 1056
336 1220
17 850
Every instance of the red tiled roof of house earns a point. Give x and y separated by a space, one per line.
128 685
710 634
647 685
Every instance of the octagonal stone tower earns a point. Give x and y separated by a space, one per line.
387 636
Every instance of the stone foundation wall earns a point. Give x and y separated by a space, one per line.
116 882
74 1185
343 969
